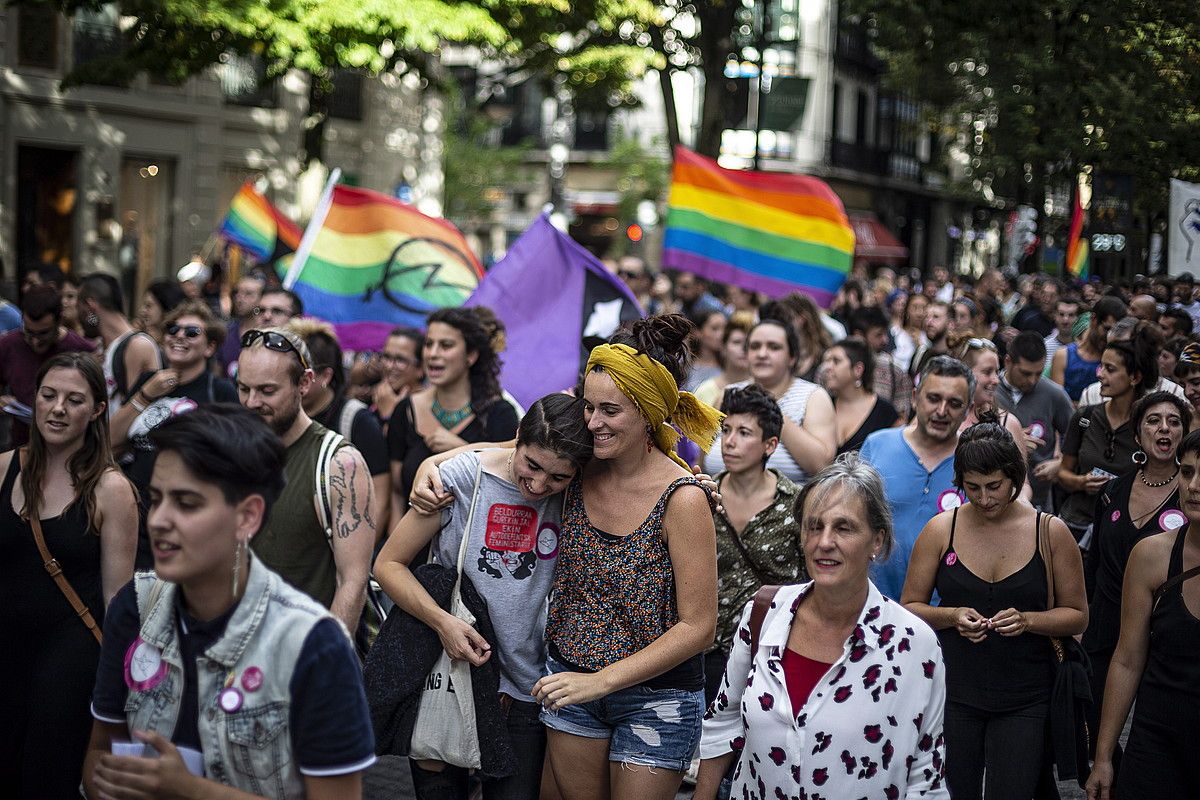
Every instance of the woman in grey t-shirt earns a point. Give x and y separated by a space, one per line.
512 546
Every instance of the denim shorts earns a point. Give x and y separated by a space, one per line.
646 727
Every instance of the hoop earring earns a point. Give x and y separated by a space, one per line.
1139 461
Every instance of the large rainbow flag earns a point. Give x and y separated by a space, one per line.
376 263
768 232
258 227
1078 253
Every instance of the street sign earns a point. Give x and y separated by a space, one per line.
783 106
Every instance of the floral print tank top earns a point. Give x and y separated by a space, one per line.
613 595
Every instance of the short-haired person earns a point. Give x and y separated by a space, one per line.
735 364
161 297
847 373
41 336
213 656
1041 407
67 480
1066 314
1100 442
277 307
245 298
981 356
127 352
758 540
990 561
327 404
634 604
1074 366
937 327
1038 312
1187 373
329 564
1176 322
1155 661
917 461
806 443
892 382
511 567
842 697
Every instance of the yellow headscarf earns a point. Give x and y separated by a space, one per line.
652 389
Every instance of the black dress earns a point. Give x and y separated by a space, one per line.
48 662
1113 538
883 415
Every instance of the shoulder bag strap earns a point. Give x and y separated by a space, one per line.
456 595
55 571
1171 583
1047 558
329 445
758 612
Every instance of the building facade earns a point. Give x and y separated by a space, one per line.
133 180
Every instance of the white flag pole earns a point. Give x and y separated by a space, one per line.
314 227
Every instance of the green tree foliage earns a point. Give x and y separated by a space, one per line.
1042 90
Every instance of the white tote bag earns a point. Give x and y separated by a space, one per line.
445 728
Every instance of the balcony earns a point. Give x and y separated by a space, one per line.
95 40
853 52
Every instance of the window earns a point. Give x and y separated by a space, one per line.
346 99
96 36
835 124
37 44
860 118
244 81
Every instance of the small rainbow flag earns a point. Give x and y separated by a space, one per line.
376 263
1078 255
259 227
766 232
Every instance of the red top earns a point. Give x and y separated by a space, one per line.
801 675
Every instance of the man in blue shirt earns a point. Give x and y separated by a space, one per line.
917 462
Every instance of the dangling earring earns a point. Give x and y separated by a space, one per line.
92 320
1137 460
649 440
237 565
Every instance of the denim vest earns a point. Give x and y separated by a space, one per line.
250 748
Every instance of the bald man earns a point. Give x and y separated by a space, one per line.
1144 307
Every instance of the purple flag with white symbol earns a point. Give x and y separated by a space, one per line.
552 295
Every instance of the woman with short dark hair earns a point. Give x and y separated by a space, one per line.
847 373
988 560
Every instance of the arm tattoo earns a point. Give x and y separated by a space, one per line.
351 510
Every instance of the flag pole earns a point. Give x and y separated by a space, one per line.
314 227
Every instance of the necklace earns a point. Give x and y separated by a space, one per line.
1157 484
449 419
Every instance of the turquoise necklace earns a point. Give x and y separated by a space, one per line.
450 419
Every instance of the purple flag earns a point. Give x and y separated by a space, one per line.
552 295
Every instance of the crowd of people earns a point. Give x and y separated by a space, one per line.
769 549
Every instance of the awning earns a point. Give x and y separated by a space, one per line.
874 242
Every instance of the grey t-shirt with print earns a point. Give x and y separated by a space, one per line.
511 552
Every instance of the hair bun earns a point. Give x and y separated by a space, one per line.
497 334
666 332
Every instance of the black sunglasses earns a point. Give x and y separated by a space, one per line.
272 340
190 331
628 276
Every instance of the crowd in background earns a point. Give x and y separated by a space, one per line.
960 466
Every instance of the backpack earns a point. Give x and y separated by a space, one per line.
374 611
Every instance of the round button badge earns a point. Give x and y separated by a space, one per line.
949 499
1171 519
1037 429
230 700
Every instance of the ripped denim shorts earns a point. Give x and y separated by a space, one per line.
645 727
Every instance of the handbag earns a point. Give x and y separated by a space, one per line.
60 580
1071 692
445 728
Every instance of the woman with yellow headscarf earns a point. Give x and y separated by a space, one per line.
634 602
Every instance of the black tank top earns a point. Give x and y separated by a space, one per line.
1001 673
1171 664
30 601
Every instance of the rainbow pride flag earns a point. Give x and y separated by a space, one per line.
376 263
768 232
1078 253
258 227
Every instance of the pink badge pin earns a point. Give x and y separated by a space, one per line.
252 679
1116 515
951 559
144 666
230 700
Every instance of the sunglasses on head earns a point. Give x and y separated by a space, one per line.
190 331
273 340
981 344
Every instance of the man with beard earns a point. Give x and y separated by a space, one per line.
937 329
329 563
1038 314
246 295
127 352
917 462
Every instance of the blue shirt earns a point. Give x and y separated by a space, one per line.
915 494
10 317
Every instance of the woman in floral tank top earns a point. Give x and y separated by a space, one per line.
634 602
